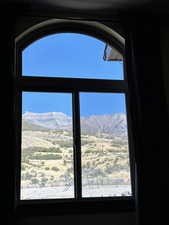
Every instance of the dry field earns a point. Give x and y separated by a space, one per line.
47 159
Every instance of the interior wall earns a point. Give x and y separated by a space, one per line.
149 41
85 219
164 34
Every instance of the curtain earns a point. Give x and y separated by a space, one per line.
149 118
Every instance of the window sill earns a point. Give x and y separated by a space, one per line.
74 206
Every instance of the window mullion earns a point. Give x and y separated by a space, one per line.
77 145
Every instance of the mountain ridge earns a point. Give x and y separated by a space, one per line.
115 124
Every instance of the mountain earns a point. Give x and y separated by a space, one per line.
50 120
32 127
114 124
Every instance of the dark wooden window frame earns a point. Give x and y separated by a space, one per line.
74 86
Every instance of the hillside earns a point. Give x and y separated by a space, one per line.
47 153
33 127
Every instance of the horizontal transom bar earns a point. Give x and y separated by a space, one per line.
50 84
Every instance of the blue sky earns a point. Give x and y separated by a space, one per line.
71 55
90 103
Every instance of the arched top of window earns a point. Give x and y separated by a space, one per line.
72 51
71 55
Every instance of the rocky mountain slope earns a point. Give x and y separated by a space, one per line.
114 124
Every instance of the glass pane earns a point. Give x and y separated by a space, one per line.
104 145
70 55
47 146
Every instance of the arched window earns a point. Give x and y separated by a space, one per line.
72 113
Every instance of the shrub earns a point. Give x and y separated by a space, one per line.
53 149
28 176
52 178
28 152
46 157
111 150
43 181
88 163
88 151
54 168
34 181
23 167
65 144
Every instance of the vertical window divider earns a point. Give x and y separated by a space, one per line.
77 146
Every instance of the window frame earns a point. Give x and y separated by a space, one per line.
75 86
